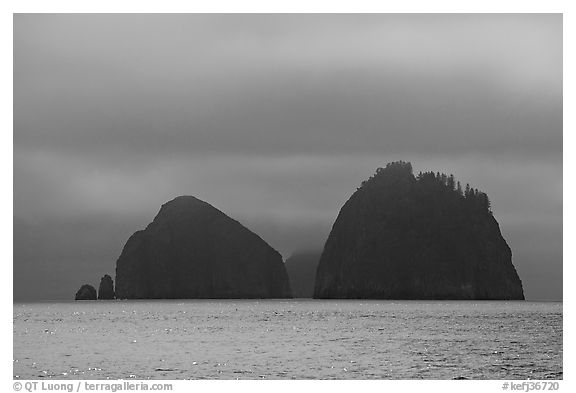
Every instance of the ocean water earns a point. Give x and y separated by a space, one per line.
288 339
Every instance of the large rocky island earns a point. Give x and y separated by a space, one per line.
192 250
401 236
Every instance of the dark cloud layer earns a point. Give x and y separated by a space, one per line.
275 119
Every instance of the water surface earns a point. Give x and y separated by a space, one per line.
288 339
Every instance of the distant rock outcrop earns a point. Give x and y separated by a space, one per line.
106 289
406 237
301 268
193 250
86 292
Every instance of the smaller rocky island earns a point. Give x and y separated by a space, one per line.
106 289
86 292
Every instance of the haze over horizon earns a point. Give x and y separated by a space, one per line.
275 120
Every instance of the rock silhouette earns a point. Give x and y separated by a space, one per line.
301 268
86 292
406 237
193 250
106 289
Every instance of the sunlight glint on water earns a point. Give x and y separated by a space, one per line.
288 339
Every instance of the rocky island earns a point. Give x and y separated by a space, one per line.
86 292
106 288
192 250
401 236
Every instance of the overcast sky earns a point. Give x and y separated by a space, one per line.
275 120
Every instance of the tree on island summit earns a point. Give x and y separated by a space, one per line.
433 184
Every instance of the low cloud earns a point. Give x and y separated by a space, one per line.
275 120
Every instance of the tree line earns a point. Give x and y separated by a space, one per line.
472 197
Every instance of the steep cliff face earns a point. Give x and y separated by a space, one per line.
301 268
406 237
106 288
193 250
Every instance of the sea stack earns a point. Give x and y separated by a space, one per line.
106 289
86 292
192 250
401 236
